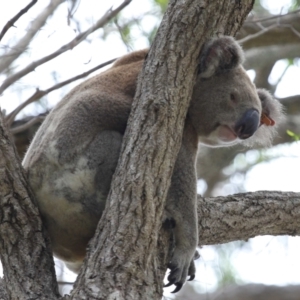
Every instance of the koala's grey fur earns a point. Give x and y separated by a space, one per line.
72 157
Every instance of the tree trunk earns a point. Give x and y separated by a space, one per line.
25 252
126 260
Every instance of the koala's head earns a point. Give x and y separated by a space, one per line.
226 107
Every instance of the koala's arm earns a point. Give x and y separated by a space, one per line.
182 208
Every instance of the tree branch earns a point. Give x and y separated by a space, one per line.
291 105
13 20
27 125
39 94
243 216
36 25
253 20
260 57
23 243
282 29
262 74
251 292
77 40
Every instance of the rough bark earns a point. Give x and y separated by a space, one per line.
3 292
25 252
259 292
123 261
243 216
252 292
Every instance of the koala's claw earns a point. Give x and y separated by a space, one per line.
178 287
192 277
173 281
168 284
196 255
177 277
172 278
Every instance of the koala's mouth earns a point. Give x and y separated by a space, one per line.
226 134
244 128
222 135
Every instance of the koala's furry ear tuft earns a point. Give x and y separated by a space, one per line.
271 108
220 55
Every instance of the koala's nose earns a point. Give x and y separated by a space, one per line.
247 124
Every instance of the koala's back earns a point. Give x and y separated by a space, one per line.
72 158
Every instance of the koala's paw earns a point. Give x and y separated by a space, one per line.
181 266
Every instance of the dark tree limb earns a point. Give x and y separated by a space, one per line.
16 50
24 247
13 20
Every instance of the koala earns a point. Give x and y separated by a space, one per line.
73 156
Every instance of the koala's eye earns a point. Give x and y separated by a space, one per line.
233 98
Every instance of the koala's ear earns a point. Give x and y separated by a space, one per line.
220 55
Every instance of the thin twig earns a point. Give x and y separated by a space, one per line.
282 75
266 29
120 29
27 125
15 51
271 18
72 10
78 39
12 21
38 94
257 34
293 29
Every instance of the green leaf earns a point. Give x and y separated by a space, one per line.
162 4
294 136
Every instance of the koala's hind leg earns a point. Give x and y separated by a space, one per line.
71 229
103 155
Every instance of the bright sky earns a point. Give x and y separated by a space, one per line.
267 260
